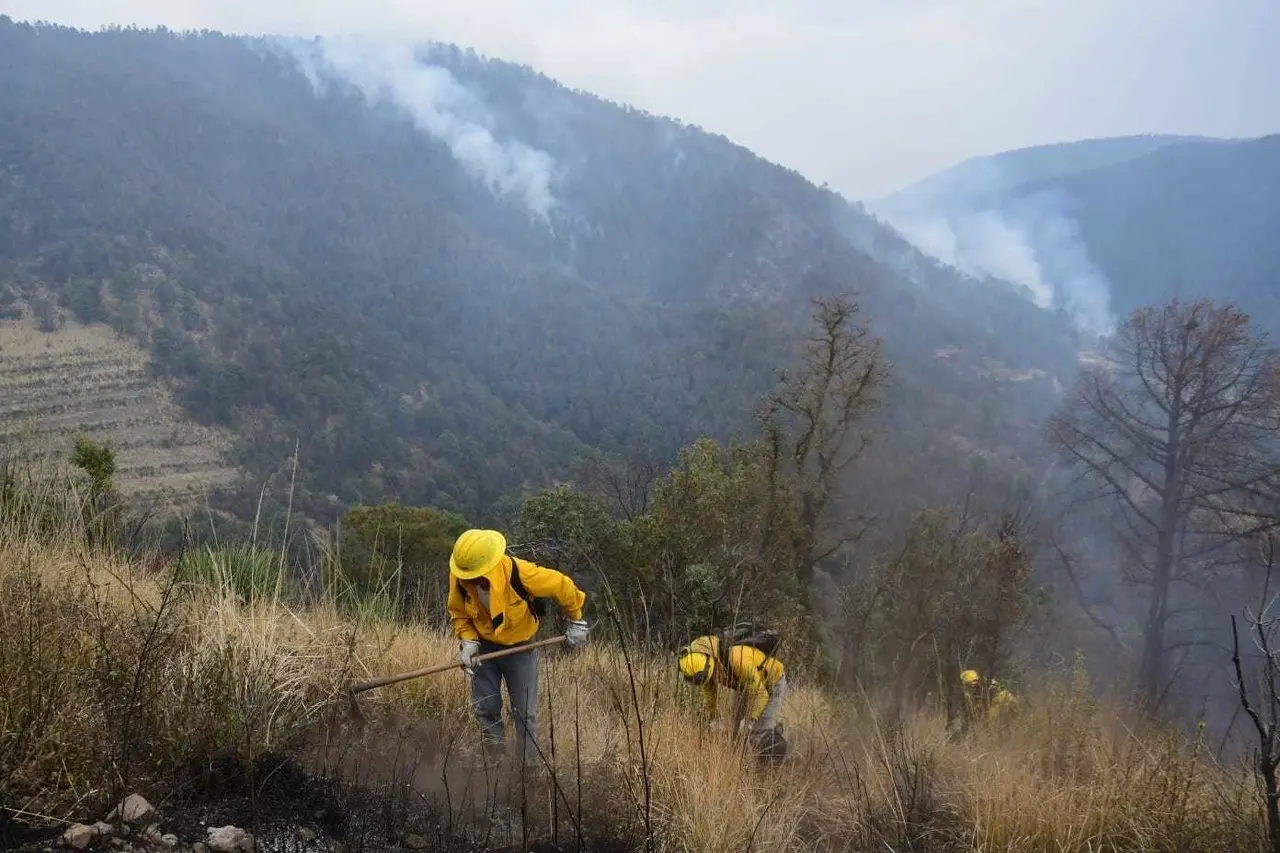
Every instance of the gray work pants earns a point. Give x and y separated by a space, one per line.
520 672
769 716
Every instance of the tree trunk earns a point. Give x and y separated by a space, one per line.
1267 768
1152 674
1151 681
1151 668
804 548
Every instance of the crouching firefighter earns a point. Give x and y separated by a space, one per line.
494 603
742 661
983 699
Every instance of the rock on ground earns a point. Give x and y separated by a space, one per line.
78 836
136 810
230 839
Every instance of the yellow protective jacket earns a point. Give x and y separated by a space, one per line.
510 621
749 671
991 698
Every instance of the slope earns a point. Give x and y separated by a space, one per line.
160 455
1187 220
307 263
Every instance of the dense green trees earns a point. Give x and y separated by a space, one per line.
732 531
306 269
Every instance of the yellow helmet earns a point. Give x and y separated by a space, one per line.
476 552
969 676
696 666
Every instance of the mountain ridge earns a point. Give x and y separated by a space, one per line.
1100 235
307 266
1038 163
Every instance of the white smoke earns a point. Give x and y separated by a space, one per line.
393 72
1029 240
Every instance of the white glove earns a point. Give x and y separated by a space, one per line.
468 650
575 634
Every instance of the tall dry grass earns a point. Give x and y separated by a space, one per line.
114 677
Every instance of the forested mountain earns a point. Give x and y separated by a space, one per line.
446 278
1103 226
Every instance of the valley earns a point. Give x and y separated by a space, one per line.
322 305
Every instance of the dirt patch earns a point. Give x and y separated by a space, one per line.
434 777
437 767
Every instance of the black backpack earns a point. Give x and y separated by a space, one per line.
537 606
759 637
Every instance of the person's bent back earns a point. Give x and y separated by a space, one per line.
758 679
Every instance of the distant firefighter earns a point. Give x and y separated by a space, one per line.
984 699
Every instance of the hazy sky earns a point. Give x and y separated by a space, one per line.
866 95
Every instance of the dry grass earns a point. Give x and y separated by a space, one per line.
111 678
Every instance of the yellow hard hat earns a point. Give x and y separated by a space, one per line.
696 666
969 676
476 552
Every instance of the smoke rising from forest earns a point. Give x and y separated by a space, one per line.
394 72
979 223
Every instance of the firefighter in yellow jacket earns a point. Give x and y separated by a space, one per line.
759 680
985 698
491 606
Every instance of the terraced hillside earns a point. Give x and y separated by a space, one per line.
85 380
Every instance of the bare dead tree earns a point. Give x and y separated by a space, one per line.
813 425
1178 432
1265 713
626 485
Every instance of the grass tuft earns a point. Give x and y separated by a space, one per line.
250 574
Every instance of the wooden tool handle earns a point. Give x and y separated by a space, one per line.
445 667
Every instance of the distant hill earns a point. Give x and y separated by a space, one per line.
1187 220
1102 226
448 278
994 175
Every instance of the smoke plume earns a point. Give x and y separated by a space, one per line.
970 223
393 72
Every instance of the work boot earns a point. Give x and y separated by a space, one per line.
771 746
